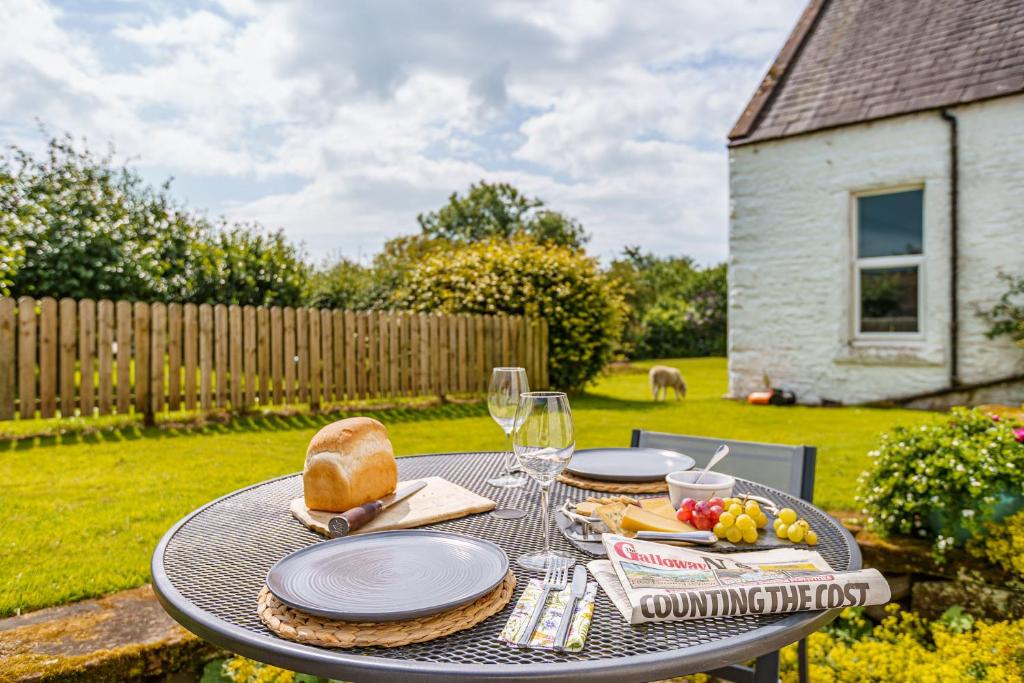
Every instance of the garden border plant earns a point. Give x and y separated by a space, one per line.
945 481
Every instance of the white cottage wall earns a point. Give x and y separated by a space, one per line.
790 269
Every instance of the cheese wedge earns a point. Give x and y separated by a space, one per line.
587 508
659 506
638 519
611 515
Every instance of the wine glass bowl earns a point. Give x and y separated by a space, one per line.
543 439
502 402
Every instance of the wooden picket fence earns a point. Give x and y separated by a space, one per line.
85 357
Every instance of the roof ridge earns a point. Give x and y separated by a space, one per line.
777 72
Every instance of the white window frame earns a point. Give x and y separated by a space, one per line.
858 264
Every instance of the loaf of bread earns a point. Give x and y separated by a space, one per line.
348 463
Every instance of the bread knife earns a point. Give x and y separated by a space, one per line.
350 520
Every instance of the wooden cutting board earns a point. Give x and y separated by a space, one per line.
438 501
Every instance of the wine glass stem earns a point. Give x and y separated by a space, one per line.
508 454
545 522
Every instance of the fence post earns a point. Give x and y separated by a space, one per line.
124 357
6 358
190 336
105 348
315 363
158 354
143 399
205 356
174 349
27 348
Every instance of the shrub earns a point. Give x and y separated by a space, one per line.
1002 544
905 648
1007 315
581 305
944 481
676 308
246 264
678 328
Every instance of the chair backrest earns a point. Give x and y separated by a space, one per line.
787 468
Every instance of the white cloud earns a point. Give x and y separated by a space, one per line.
374 111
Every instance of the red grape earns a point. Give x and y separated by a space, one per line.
714 513
684 514
716 501
688 503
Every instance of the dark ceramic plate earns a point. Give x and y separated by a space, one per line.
388 576
627 464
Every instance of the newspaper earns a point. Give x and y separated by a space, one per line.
656 582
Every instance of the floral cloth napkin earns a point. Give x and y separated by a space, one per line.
543 635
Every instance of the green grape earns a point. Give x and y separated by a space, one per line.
744 522
719 529
733 534
787 515
750 535
726 519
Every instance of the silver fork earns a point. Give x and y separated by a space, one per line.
555 579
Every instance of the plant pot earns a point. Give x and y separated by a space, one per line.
1006 505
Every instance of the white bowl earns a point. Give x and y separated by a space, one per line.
713 485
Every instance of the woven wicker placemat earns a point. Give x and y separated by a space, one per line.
313 630
613 487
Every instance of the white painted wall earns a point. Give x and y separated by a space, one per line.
790 274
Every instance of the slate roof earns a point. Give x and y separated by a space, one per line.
849 61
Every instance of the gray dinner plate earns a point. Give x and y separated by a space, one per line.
627 464
388 576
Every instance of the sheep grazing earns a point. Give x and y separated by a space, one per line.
662 377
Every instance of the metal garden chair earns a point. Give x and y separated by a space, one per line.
787 468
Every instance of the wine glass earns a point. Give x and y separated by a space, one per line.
544 440
502 400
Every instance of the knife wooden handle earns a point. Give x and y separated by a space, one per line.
350 520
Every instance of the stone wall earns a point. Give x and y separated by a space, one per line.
790 276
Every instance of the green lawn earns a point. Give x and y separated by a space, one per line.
80 515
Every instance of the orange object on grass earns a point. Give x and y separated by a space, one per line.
760 398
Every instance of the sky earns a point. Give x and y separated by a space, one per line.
340 121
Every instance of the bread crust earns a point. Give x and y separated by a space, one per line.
348 463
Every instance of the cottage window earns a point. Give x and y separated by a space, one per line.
889 258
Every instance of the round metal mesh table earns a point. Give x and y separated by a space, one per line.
209 568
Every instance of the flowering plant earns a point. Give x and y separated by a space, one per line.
582 305
907 648
944 481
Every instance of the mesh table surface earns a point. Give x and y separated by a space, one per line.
208 571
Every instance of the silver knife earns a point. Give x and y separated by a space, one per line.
350 520
579 586
695 537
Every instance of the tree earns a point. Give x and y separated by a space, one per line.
75 224
676 308
500 211
83 228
